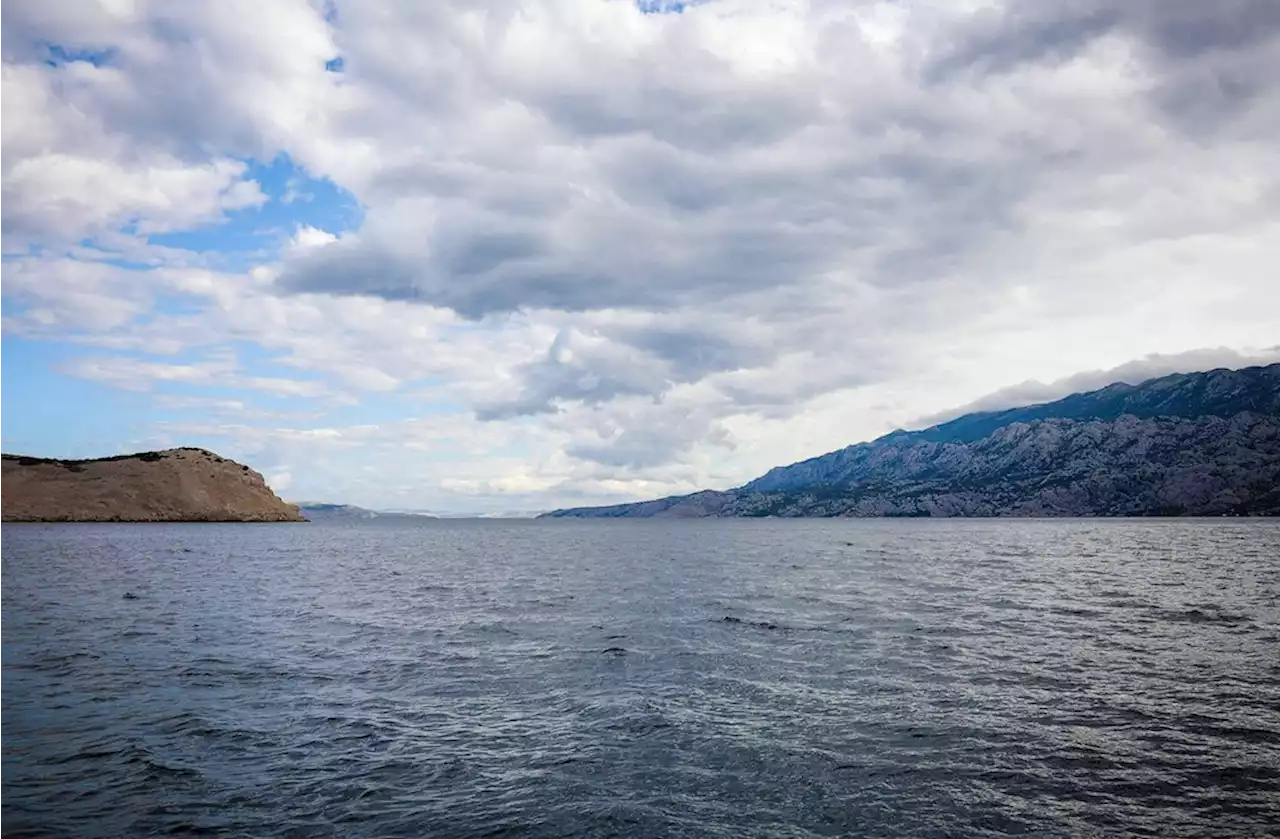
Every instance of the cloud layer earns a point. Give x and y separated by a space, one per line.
632 252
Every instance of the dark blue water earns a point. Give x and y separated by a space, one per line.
597 678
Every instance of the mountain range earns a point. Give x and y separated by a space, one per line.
1185 444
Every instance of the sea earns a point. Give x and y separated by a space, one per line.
595 678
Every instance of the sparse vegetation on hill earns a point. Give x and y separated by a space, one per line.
185 484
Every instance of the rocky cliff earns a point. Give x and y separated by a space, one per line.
173 485
1188 444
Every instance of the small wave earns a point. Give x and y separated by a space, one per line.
1076 611
1206 614
1251 735
730 619
63 663
163 768
487 628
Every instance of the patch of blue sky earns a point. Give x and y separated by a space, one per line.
665 7
9 307
57 55
176 304
244 238
62 416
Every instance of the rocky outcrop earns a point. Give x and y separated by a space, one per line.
173 485
1189 444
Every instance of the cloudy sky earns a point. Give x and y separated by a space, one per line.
493 256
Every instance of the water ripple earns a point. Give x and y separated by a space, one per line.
722 679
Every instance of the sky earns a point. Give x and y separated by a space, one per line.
493 256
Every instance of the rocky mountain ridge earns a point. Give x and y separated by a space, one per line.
183 484
1187 444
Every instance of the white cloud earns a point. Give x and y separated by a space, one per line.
280 481
307 236
67 179
221 371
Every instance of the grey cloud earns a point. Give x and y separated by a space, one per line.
628 376
616 258
677 110
698 350
475 253
1216 61
1001 38
511 190
589 372
349 262
1206 95
635 359
673 229
1209 61
1185 29
642 436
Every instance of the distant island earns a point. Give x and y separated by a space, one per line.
1194 444
322 512
174 485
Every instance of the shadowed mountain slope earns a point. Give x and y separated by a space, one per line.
1186 444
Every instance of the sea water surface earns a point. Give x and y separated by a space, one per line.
642 678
